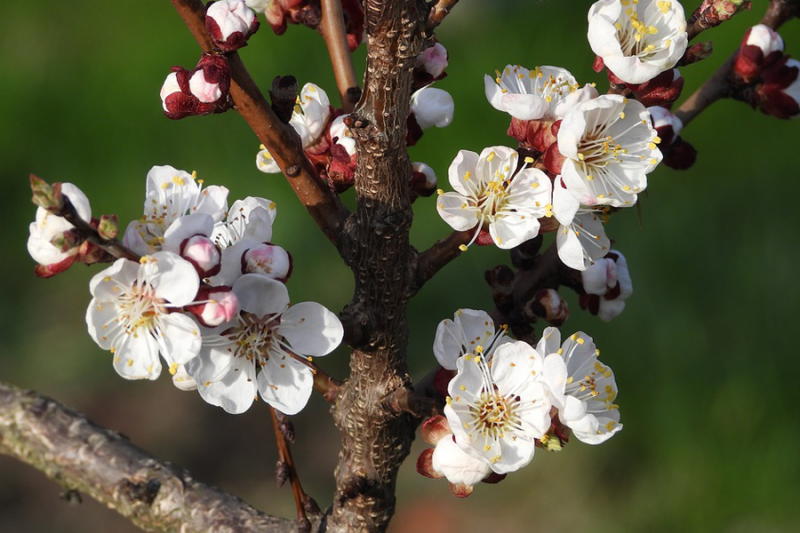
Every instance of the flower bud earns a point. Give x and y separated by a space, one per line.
761 47
607 284
697 52
423 180
661 90
201 91
108 226
214 305
548 305
269 260
779 94
666 124
432 107
430 66
680 155
201 252
230 23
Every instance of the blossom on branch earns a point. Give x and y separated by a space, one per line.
638 40
607 284
132 314
490 191
580 386
171 194
201 91
230 23
264 349
470 332
761 47
610 147
498 411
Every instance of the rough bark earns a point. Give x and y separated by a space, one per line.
376 246
153 494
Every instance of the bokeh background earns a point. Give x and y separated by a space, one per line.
705 354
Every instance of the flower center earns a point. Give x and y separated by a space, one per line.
641 40
254 338
139 308
493 414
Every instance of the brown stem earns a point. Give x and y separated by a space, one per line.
718 85
326 385
438 12
437 257
81 456
112 246
285 456
333 31
416 404
280 139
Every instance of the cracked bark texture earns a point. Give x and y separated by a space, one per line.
153 494
376 246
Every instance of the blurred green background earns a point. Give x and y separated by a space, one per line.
705 353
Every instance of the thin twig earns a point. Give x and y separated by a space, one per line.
285 456
333 31
779 12
438 12
438 256
112 246
327 386
418 405
281 140
81 456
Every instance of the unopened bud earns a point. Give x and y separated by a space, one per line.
779 94
46 195
667 125
230 23
214 305
697 52
269 260
281 473
607 284
501 283
432 107
423 179
108 227
430 66
761 48
548 305
201 252
661 90
67 240
201 91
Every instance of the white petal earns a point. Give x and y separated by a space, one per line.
172 277
462 170
184 228
261 295
236 392
180 338
456 212
285 384
311 329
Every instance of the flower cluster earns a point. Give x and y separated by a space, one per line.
507 398
209 297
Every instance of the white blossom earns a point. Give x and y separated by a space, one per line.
542 93
309 118
607 284
610 147
264 349
433 60
341 133
497 412
171 194
582 388
131 314
48 226
640 39
490 192
251 218
471 332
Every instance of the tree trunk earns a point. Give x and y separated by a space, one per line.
376 246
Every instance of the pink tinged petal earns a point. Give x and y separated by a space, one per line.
179 338
213 202
461 491
311 329
285 384
137 357
185 227
222 308
261 295
457 466
269 260
456 211
425 465
463 170
202 253
435 429
235 392
524 106
173 278
206 92
212 363
231 263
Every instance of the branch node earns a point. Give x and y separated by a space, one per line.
144 492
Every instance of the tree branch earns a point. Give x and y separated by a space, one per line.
438 12
333 31
437 257
154 495
281 140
